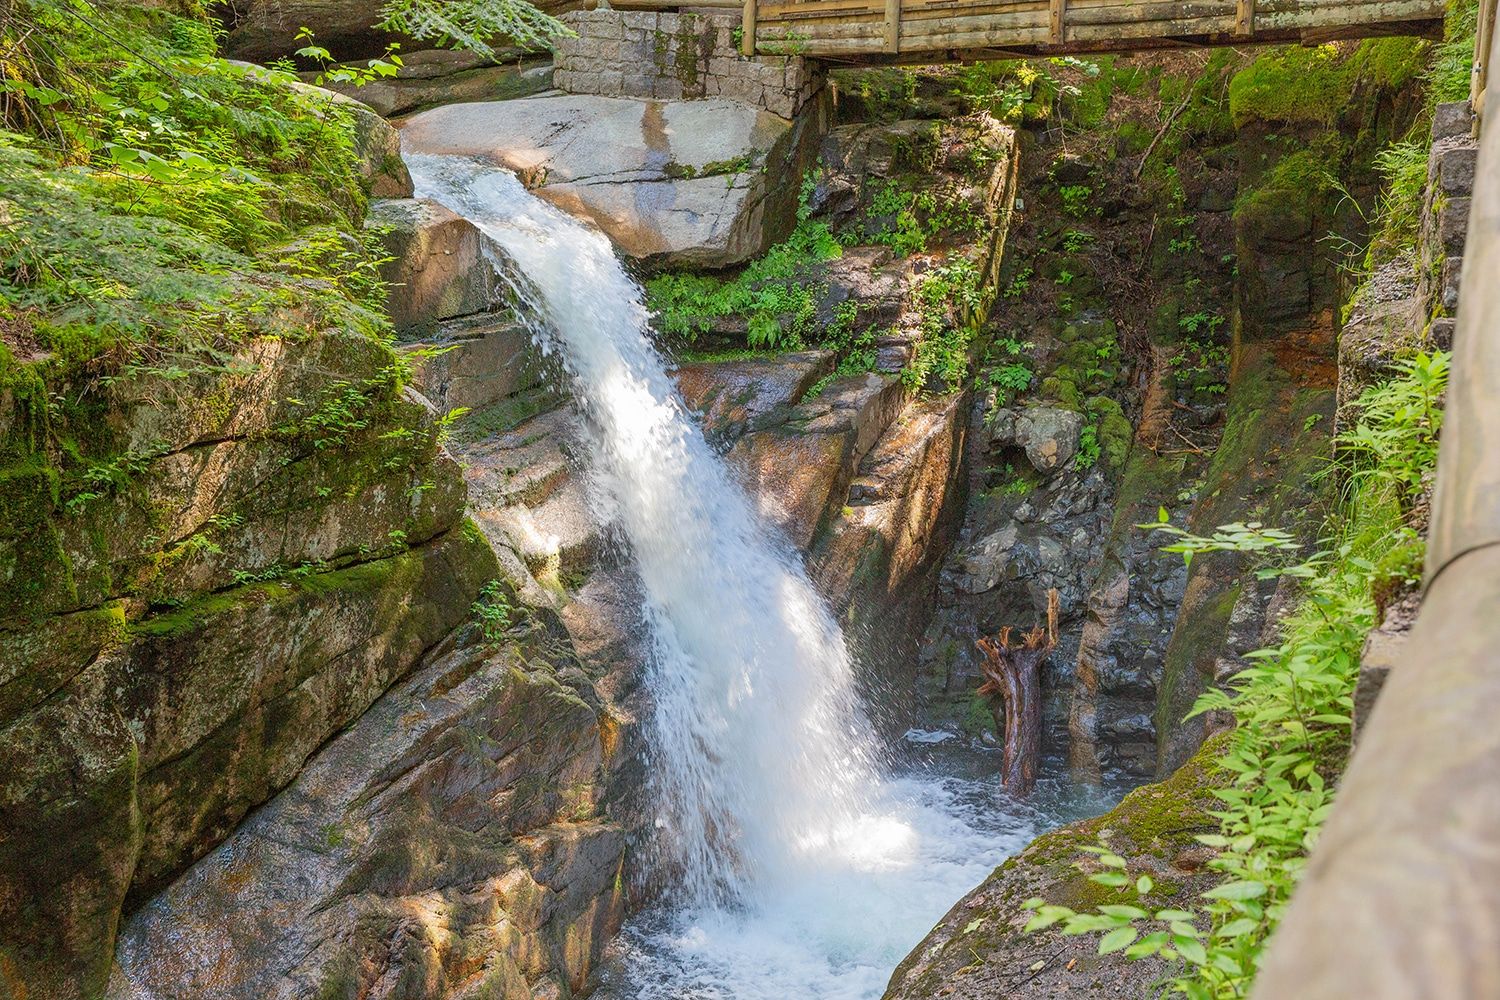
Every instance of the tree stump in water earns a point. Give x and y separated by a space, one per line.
1012 672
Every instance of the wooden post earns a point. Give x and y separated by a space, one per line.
893 26
1244 18
1478 83
747 29
1057 21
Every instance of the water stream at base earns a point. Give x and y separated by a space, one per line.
804 863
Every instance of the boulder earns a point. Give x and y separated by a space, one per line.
164 732
286 545
732 398
799 471
436 269
1049 434
673 184
477 360
980 949
984 563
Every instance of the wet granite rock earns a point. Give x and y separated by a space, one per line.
436 267
449 838
672 183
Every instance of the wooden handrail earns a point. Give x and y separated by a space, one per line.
1483 39
1401 897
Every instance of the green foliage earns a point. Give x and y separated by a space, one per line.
777 293
158 199
495 615
1403 171
948 297
1012 377
1396 438
1032 90
1450 73
1076 199
160 206
475 25
1019 283
853 345
1252 538
351 74
1291 709
908 220
1200 363
1089 450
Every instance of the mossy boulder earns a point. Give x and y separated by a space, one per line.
979 950
144 747
216 571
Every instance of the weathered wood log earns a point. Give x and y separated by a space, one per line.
1013 683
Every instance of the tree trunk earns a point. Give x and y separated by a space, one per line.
1013 683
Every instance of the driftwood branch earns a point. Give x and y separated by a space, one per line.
1012 672
1140 168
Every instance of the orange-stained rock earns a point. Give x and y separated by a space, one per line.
799 471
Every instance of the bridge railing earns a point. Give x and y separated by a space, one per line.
892 29
949 30
1401 897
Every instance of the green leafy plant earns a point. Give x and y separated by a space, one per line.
1089 448
777 293
1396 436
1252 538
475 25
1014 377
494 613
1019 283
948 298
353 74
1076 199
1074 240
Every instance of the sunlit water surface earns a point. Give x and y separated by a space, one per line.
940 825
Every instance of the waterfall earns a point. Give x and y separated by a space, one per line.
801 864
759 746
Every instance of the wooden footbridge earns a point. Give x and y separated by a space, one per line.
930 31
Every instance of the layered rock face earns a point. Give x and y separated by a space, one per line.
452 842
445 845
285 541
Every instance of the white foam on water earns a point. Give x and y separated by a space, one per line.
799 867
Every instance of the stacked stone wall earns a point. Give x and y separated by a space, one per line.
676 56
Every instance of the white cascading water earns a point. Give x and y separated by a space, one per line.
802 868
